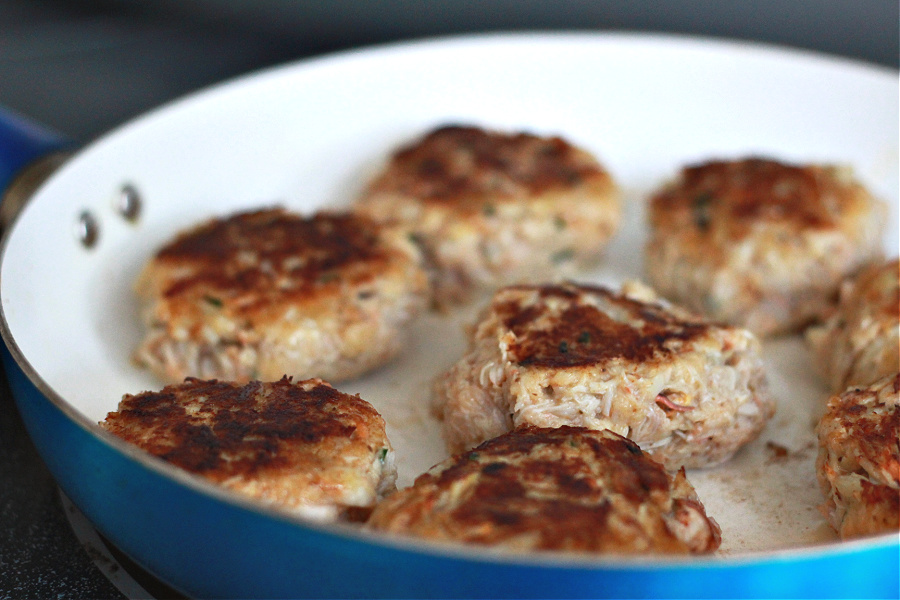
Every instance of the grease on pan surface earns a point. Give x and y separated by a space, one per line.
490 208
858 465
566 488
760 243
303 446
690 392
258 295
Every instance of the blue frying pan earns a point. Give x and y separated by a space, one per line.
304 134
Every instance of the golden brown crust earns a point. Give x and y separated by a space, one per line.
858 466
470 167
222 430
564 488
581 334
296 444
727 199
251 264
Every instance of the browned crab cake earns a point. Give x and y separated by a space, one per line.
567 489
760 243
262 294
858 466
688 391
860 342
490 208
303 446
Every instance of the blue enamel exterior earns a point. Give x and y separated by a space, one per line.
209 547
21 142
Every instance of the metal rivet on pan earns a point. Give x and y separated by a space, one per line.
87 230
129 203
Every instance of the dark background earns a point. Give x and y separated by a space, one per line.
84 67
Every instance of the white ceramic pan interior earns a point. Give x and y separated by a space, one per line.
309 135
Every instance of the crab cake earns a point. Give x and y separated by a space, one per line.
858 465
303 446
258 295
491 208
760 243
566 489
859 343
689 392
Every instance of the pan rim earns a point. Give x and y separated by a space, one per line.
550 560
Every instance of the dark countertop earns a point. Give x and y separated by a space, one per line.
85 67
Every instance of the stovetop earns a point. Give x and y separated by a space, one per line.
83 68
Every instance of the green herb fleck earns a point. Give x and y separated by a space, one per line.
559 222
563 347
701 209
489 210
562 256
217 302
472 456
584 337
382 454
711 304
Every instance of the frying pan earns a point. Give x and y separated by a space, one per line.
308 135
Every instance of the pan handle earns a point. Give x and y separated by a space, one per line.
29 153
